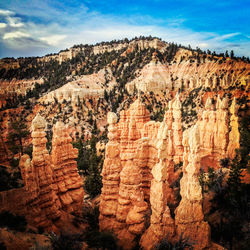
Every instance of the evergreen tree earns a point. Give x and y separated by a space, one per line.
18 132
232 54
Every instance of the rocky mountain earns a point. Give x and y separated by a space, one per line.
162 135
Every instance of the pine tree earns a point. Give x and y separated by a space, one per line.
232 54
18 132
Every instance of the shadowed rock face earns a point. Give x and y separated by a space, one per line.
139 169
52 184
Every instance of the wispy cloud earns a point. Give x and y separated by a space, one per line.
3 25
6 12
53 40
15 34
14 22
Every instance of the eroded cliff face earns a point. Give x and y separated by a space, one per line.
184 74
82 87
52 186
139 169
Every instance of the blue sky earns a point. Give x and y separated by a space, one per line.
35 28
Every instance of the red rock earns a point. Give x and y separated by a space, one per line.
139 167
52 183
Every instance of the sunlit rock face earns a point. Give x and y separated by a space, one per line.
189 215
234 135
53 186
139 170
182 74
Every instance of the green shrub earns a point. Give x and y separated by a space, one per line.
93 181
91 217
66 241
9 181
181 244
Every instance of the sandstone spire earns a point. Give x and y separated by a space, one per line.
161 223
67 181
52 183
46 201
110 178
234 135
189 215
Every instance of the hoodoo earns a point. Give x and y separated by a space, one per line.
139 170
52 186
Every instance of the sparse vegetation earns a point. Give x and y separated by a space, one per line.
18 132
9 180
90 165
181 244
66 241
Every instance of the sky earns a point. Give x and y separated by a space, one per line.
36 28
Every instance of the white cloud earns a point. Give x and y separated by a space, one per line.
53 40
15 34
6 12
15 22
3 25
203 45
226 36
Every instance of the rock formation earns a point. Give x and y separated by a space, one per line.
161 222
153 77
52 184
139 170
66 179
110 178
83 87
234 134
122 208
189 215
43 197
214 133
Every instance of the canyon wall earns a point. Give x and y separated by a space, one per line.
138 172
52 186
85 86
184 75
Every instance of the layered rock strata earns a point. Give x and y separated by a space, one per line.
43 199
66 180
161 222
189 215
52 184
234 134
139 170
110 178
214 133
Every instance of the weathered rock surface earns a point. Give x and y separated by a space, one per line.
161 222
83 87
234 135
123 206
189 215
66 180
43 199
181 74
52 186
139 170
